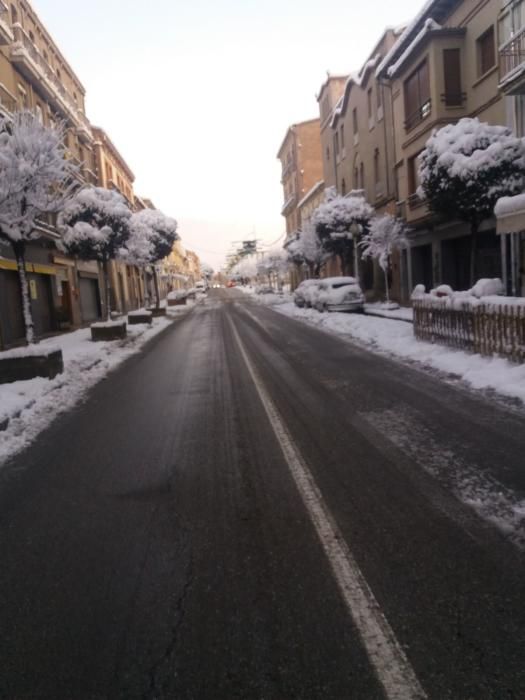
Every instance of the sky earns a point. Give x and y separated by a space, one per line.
197 95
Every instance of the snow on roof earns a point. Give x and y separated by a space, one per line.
357 79
438 8
430 25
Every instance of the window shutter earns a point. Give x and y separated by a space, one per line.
452 73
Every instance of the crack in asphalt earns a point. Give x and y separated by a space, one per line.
157 686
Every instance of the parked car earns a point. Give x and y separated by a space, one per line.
230 283
302 294
263 289
339 294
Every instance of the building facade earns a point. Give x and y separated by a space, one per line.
302 168
35 75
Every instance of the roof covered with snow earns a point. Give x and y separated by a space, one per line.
438 10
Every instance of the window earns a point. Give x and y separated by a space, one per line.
413 174
486 51
362 175
327 153
417 96
39 113
342 136
337 142
377 176
453 96
14 15
369 100
354 120
379 96
343 187
356 177
22 96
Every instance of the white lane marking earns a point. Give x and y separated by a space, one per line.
388 659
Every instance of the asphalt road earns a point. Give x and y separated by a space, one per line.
244 510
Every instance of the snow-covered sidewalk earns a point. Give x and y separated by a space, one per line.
402 313
27 407
397 338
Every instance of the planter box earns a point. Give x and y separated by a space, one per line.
19 368
114 330
157 312
136 318
177 302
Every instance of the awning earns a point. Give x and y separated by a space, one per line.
514 223
510 214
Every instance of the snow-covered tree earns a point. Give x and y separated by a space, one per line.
306 249
96 226
338 220
273 265
466 167
35 180
207 271
152 235
385 236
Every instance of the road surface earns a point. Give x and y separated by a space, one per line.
244 510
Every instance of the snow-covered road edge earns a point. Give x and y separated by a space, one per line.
396 339
28 407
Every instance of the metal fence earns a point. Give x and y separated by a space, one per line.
486 329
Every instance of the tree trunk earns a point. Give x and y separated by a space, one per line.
146 290
356 262
19 251
105 269
473 250
157 289
342 258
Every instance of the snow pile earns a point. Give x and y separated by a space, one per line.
396 338
486 292
28 407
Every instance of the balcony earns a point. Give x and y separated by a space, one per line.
289 203
512 64
29 61
6 35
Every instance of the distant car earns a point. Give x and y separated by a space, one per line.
302 294
339 294
264 289
230 283
200 287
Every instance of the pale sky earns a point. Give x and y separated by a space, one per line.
197 95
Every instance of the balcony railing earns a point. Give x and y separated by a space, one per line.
512 57
453 99
25 52
418 115
415 201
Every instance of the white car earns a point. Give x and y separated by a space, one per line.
339 294
302 295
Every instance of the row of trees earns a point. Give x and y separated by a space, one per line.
348 228
463 170
37 179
